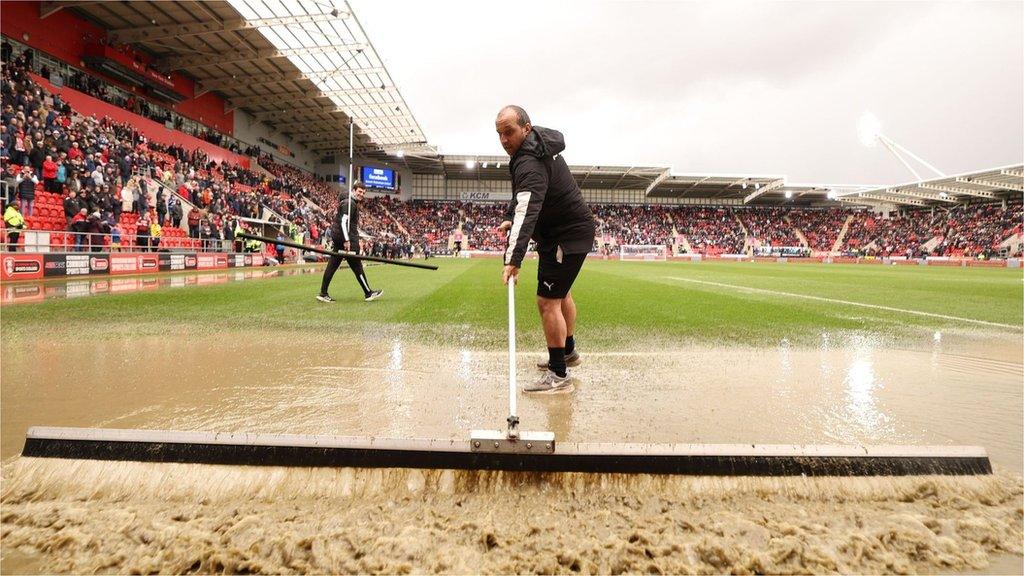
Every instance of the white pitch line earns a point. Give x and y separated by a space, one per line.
845 302
589 354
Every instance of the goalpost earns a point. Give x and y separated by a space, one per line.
643 252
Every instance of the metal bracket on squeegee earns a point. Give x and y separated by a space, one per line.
513 441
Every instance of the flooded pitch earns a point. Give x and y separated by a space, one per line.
38 291
119 517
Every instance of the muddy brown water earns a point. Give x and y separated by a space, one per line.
118 517
40 290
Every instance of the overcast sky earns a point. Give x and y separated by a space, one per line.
751 88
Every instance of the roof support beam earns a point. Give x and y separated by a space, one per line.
858 200
892 199
1015 186
235 56
47 9
348 110
329 145
325 132
1018 172
654 183
773 185
958 190
291 97
926 196
152 33
234 83
291 114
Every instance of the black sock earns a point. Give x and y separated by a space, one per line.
570 345
556 361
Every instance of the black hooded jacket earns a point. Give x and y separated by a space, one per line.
547 205
343 226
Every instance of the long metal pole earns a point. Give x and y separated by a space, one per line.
341 253
513 420
353 243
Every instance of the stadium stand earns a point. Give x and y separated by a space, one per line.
105 181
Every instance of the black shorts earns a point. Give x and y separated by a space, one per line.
554 277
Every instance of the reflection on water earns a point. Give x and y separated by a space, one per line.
25 292
849 390
862 385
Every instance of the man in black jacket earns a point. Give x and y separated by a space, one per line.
548 207
345 236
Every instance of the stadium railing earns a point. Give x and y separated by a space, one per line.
43 241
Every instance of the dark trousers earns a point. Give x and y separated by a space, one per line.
12 241
354 264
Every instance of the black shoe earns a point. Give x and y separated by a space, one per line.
325 298
572 361
373 295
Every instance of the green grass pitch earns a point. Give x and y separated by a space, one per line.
619 303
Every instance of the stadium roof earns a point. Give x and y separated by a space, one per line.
759 189
992 184
660 182
303 67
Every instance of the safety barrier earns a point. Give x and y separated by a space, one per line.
35 265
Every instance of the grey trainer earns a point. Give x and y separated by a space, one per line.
572 361
551 383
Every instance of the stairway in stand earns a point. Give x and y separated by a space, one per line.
842 234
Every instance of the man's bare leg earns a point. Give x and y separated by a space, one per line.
554 332
569 313
553 321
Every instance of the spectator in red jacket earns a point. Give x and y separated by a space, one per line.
142 232
50 183
193 223
75 153
79 225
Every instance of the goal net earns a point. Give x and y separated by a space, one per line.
642 252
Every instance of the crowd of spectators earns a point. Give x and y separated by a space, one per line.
710 230
820 227
975 231
103 170
769 226
635 224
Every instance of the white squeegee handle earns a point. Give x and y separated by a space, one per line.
513 420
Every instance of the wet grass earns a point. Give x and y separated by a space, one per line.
620 304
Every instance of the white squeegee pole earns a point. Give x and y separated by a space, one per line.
512 347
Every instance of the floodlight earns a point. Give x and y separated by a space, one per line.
869 128
789 194
400 153
470 164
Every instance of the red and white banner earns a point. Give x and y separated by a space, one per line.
20 266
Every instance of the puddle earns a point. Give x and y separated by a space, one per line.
39 291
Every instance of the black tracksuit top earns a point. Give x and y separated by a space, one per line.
350 233
546 205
